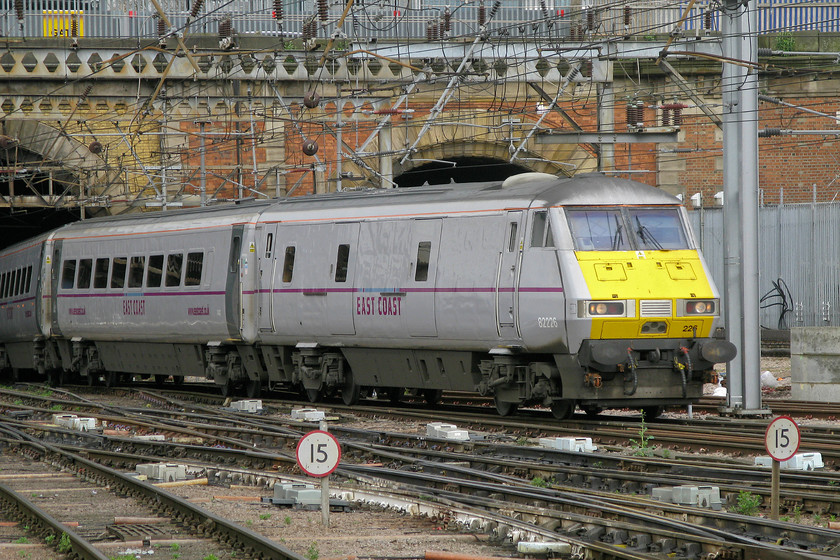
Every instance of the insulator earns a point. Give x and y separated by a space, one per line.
307 32
678 116
447 19
313 29
707 19
323 10
588 72
628 13
311 99
429 31
310 148
95 147
441 29
161 27
640 114
74 27
435 34
573 74
482 14
580 32
85 93
496 5
19 9
763 51
196 7
278 10
630 113
225 28
666 116
590 19
768 132
544 9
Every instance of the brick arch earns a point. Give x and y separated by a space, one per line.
491 150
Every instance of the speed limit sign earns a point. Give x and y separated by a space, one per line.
782 438
318 453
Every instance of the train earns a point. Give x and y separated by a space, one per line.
535 290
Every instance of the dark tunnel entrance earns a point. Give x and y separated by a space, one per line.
459 170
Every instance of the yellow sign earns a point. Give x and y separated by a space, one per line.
63 23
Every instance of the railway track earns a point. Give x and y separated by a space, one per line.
257 449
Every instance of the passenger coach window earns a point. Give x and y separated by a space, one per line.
68 275
17 282
174 264
195 262
289 264
269 239
118 272
541 232
135 272
424 251
100 273
3 285
154 274
341 263
28 283
85 270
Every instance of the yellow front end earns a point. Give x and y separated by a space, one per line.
662 291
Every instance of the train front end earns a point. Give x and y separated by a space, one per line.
642 309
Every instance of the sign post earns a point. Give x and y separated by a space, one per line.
781 440
318 454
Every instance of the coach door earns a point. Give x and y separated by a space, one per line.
507 277
418 309
233 284
53 288
268 276
344 241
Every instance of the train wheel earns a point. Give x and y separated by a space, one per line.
562 410
55 377
431 396
252 388
313 395
112 379
92 380
651 412
394 394
505 408
351 391
160 380
178 380
227 388
592 411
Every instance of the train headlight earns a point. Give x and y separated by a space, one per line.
695 307
604 309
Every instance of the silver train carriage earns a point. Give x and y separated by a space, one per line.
587 291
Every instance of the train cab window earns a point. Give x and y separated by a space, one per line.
85 270
289 264
135 271
154 274
68 274
341 261
658 228
195 262
541 231
174 265
100 273
598 230
424 252
118 272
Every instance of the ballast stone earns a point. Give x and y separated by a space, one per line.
577 444
699 496
799 462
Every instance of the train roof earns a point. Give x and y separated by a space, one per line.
516 192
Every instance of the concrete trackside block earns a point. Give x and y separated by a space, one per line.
65 420
578 444
165 472
815 363
84 424
697 496
443 430
308 414
799 462
253 405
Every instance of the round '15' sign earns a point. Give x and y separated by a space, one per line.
318 453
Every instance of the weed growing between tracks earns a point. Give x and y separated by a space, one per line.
642 447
